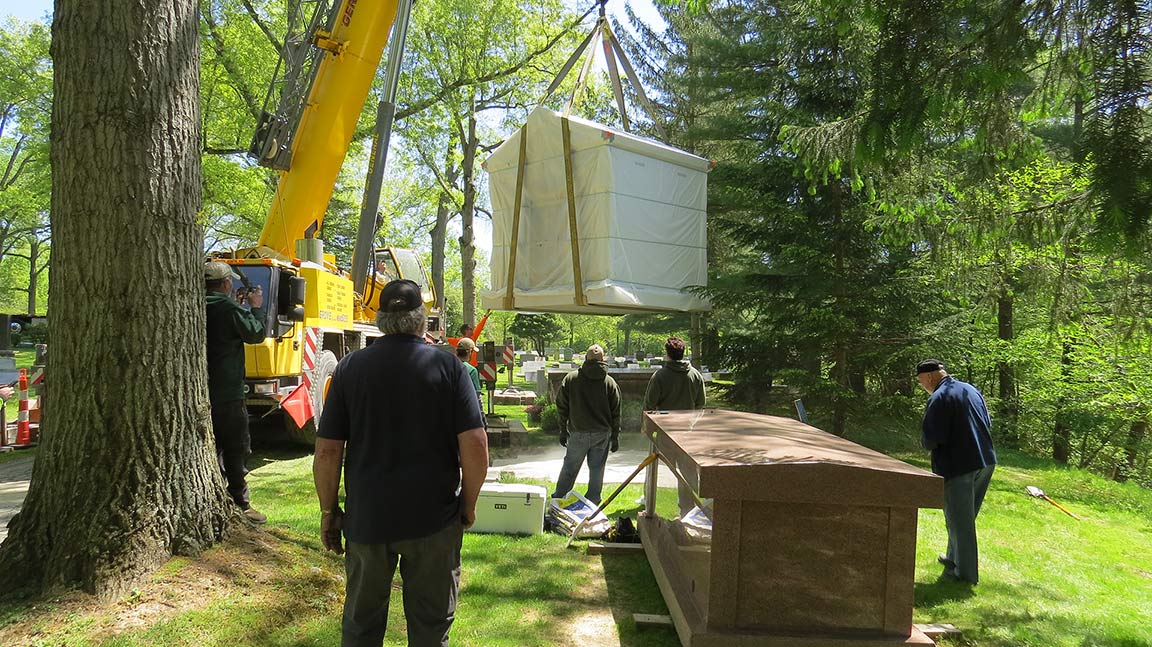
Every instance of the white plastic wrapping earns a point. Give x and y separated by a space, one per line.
640 213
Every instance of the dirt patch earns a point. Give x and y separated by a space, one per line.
595 628
247 557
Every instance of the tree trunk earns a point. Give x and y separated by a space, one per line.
1061 433
839 374
467 213
439 238
1136 434
34 270
696 337
1007 372
440 229
126 476
840 370
858 380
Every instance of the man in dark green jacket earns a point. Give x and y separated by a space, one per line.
589 406
230 326
676 386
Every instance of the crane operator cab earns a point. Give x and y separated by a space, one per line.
389 264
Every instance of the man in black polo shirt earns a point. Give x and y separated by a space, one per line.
408 415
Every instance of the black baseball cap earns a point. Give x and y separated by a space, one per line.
929 366
400 295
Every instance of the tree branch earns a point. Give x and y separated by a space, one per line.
448 189
226 61
5 115
4 183
263 27
447 89
1053 205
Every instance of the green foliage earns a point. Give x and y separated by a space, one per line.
33 334
25 106
550 418
540 328
897 181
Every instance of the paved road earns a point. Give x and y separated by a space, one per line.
545 464
14 478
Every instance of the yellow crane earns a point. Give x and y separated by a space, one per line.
316 312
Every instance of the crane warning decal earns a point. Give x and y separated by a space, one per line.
329 299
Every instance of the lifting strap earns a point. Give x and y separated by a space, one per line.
577 275
510 288
635 80
614 75
563 74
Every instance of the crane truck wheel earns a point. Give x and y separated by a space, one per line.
321 377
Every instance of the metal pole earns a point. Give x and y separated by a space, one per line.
385 115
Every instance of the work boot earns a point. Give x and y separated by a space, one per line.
251 514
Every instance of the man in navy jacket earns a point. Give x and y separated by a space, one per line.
956 430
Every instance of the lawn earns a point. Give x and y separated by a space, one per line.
1046 579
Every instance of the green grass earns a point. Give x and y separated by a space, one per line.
17 455
1046 579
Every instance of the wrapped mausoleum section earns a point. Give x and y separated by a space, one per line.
608 222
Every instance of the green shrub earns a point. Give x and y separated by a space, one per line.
550 419
32 334
631 412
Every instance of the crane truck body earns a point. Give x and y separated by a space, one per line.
315 314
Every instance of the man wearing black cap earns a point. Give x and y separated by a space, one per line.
956 430
230 326
408 416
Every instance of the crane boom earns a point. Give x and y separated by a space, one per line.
353 49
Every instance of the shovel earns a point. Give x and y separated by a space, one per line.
1039 494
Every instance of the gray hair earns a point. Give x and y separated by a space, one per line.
410 322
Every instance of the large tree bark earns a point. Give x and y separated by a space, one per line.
467 215
1009 408
440 229
1061 432
126 475
36 267
439 238
1136 433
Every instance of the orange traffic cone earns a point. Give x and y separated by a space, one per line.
23 428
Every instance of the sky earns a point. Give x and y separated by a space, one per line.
37 9
27 10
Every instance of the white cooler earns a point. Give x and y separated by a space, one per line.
510 508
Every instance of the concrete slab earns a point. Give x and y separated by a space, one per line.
544 463
14 478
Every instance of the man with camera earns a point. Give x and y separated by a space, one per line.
230 326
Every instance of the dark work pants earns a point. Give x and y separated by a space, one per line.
581 445
430 575
963 496
230 426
